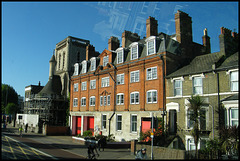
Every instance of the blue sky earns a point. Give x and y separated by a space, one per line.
31 30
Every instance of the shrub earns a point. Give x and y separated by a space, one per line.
87 133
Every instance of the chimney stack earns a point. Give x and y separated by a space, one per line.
228 41
113 43
128 37
206 42
90 52
183 25
151 27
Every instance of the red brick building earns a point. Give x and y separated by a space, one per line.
120 90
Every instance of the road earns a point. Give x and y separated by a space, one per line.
32 146
15 150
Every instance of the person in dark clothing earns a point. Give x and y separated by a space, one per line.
141 155
26 127
102 143
91 148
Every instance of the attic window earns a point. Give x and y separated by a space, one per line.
93 63
120 54
84 67
76 67
134 50
151 45
105 60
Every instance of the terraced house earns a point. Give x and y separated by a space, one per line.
120 90
212 76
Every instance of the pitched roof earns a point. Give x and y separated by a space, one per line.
53 86
199 64
231 61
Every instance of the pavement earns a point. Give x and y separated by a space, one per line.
62 147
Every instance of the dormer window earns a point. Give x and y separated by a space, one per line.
151 45
84 67
93 64
105 60
76 67
134 50
120 54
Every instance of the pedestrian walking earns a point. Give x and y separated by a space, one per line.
91 148
141 155
20 130
102 143
26 127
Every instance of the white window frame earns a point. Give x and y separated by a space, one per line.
117 121
133 123
84 66
105 82
177 88
92 101
134 94
150 73
151 91
120 99
93 84
233 119
120 79
108 99
134 77
197 86
93 64
75 87
149 40
75 102
76 69
101 100
234 81
84 86
105 60
104 100
134 50
104 121
83 103
120 55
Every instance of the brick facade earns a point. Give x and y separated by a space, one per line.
157 55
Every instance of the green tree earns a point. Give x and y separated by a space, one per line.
68 110
230 140
9 95
11 108
195 105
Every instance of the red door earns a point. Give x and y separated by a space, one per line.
79 125
90 125
146 125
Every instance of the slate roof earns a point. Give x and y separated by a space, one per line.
53 86
231 61
163 43
199 64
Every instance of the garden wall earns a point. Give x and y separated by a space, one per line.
161 152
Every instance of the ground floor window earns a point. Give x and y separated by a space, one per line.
104 121
133 123
119 123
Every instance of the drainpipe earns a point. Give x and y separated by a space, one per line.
164 94
114 98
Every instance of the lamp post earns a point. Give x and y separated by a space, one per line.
152 136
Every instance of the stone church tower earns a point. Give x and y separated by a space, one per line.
69 51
